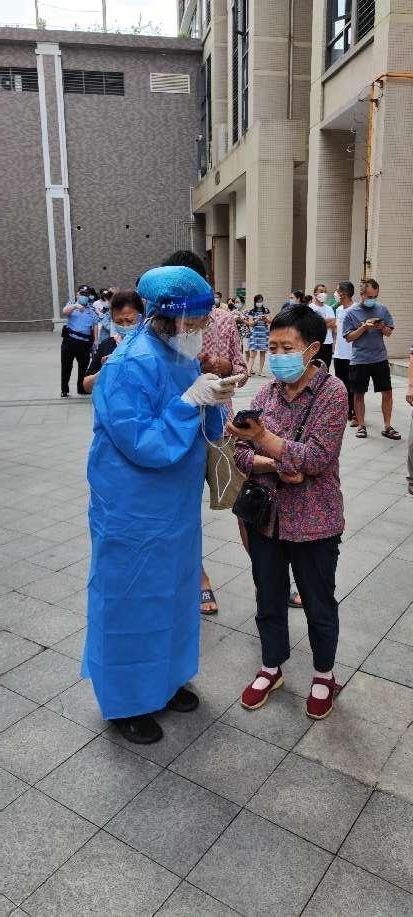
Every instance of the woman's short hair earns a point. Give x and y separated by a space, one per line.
346 287
183 258
308 323
298 295
126 298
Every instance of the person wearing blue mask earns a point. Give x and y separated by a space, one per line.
126 312
294 514
154 412
365 326
79 334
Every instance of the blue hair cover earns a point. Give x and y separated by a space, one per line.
175 291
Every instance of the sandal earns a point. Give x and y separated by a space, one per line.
208 598
292 601
391 433
361 433
318 708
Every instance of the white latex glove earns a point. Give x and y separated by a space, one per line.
209 389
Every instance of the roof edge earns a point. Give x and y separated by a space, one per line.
67 38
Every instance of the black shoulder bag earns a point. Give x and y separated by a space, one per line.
253 504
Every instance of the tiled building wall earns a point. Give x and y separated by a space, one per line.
131 161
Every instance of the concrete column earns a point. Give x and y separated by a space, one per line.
329 208
236 250
391 196
270 229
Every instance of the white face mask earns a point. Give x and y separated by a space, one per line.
321 297
187 343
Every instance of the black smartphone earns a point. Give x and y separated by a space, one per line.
240 419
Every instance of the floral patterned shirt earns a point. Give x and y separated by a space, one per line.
314 509
221 339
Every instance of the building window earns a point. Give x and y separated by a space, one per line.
348 21
18 79
94 82
239 68
206 14
205 142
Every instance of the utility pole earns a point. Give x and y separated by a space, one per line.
36 8
104 23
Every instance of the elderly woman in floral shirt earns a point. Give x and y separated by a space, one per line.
300 470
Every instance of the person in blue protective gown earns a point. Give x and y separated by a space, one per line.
146 470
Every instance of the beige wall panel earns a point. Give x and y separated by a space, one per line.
270 54
329 209
270 17
220 249
303 16
270 230
349 81
269 96
400 48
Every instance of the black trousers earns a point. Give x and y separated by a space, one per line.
74 350
314 565
326 354
342 371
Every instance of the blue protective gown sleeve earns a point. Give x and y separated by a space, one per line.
215 420
128 399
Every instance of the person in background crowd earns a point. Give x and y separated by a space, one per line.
126 312
102 305
296 298
365 326
307 299
92 295
221 353
409 399
105 321
319 304
217 299
146 472
259 320
79 334
343 349
306 519
231 304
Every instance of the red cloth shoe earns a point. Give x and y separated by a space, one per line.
252 698
318 708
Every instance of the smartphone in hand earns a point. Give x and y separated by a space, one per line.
241 419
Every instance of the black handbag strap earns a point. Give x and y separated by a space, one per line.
307 413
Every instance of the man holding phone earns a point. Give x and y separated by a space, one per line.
366 325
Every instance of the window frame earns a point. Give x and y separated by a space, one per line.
350 31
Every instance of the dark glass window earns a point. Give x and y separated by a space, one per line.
204 144
18 79
94 82
347 22
244 68
235 73
239 68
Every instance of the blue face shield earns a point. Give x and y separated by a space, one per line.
288 367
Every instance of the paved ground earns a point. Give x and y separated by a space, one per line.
234 812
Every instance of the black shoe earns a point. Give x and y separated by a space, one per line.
64 394
142 730
183 701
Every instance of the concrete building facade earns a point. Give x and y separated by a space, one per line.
360 201
98 156
253 144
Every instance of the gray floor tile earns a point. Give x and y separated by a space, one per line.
43 676
62 556
378 701
282 720
6 907
231 553
36 745
243 587
286 869
188 901
61 532
73 645
393 661
220 573
23 548
98 780
78 703
229 762
234 610
350 745
38 621
76 602
20 575
104 878
397 774
208 544
14 650
226 669
10 788
173 822
402 631
54 587
380 841
347 891
312 801
211 634
41 836
405 550
13 707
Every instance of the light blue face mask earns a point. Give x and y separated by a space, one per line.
370 302
288 367
121 330
83 300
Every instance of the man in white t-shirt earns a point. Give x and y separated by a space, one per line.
343 349
327 313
